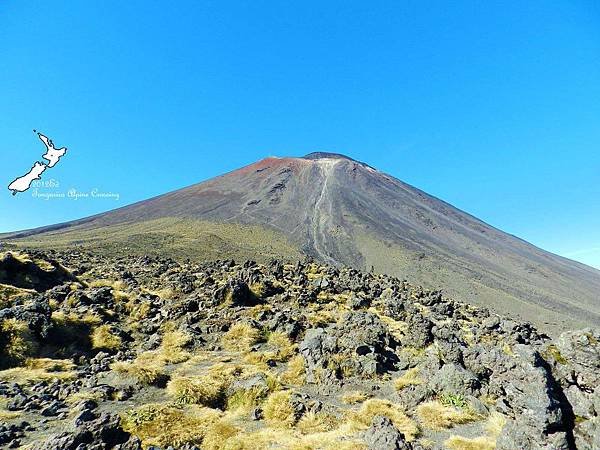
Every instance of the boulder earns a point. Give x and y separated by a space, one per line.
383 435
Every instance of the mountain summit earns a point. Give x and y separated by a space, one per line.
344 212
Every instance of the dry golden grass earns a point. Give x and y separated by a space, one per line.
164 293
321 318
4 413
463 443
278 409
436 416
16 343
258 289
40 369
115 284
495 424
295 374
71 326
279 348
218 434
408 378
80 396
320 422
240 338
8 415
283 348
228 437
162 425
145 370
362 418
172 348
103 338
354 397
246 399
8 294
202 390
396 328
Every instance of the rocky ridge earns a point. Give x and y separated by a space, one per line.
145 352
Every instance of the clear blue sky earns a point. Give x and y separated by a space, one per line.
491 106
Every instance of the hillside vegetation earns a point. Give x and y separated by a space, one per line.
137 352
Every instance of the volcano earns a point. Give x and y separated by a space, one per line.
344 212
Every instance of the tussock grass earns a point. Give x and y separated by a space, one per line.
173 345
279 348
437 416
240 338
245 399
8 415
494 425
40 369
103 338
17 342
320 422
146 370
149 367
295 374
203 390
9 294
396 328
258 289
72 332
284 438
354 397
162 424
283 348
166 293
321 318
278 409
81 396
363 418
462 443
119 287
408 378
219 433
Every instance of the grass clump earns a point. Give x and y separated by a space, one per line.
437 416
104 338
462 443
493 426
354 397
17 342
240 338
72 332
283 348
363 418
173 345
146 371
409 378
321 318
552 352
278 409
202 390
220 436
8 294
162 425
295 374
40 369
320 422
246 399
